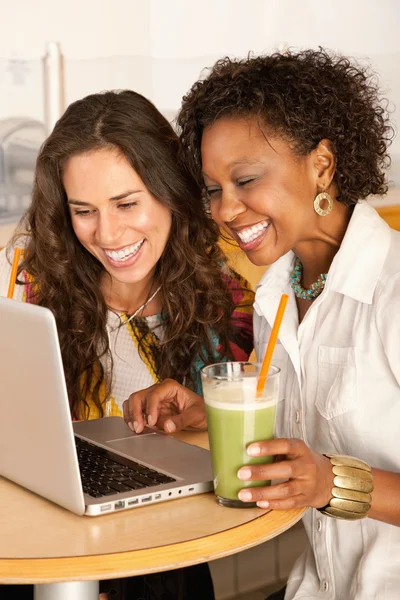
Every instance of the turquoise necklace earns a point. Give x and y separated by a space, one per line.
303 293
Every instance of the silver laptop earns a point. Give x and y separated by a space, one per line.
90 467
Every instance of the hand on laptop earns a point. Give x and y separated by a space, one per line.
168 405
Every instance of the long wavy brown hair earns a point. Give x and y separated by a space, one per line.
196 303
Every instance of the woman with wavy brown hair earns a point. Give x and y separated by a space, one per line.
119 248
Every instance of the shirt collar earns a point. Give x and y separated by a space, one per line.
273 284
356 268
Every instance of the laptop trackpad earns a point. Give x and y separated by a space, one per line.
148 447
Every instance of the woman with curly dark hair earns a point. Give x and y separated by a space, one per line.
120 250
287 148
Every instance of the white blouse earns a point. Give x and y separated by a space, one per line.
340 393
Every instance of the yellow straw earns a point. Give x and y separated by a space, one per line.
262 378
14 271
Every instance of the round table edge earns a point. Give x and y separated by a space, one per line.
150 560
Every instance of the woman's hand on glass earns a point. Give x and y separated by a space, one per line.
309 476
168 405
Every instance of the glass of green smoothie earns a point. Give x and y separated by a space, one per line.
236 417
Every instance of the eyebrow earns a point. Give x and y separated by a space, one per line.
241 161
118 197
245 161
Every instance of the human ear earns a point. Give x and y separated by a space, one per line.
324 163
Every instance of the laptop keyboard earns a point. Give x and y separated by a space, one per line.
104 473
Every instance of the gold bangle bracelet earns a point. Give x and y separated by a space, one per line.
353 484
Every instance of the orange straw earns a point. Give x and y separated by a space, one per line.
14 271
262 378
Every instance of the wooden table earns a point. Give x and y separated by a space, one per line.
41 543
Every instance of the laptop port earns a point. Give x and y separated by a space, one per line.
105 507
120 504
147 499
191 489
157 497
132 502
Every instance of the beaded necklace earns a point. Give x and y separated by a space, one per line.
313 291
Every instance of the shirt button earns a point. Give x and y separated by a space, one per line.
325 586
319 525
297 416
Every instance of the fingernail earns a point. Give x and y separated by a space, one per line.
131 426
254 450
263 504
151 421
245 496
135 426
244 473
170 426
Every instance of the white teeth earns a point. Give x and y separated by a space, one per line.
252 233
122 255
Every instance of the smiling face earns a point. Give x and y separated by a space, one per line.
260 190
114 216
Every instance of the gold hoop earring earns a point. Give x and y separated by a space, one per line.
317 204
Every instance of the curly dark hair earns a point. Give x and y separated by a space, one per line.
303 97
66 277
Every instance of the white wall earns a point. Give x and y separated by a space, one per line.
87 30
159 47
